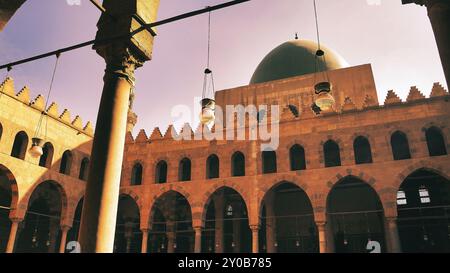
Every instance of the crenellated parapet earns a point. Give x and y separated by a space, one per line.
38 103
287 113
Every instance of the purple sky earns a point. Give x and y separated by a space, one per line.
397 40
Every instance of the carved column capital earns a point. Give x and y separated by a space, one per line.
120 60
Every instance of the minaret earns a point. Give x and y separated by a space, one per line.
439 14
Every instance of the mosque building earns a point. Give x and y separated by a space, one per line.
361 172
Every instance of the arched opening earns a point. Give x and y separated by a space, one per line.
84 169
226 225
66 163
269 161
184 170
423 206
287 221
362 150
435 142
136 175
356 215
20 145
297 158
238 164
332 154
128 233
171 225
1 131
161 172
7 182
41 232
400 146
73 233
212 167
46 158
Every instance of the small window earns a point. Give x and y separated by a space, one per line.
332 154
184 170
401 198
66 163
230 210
136 175
424 195
238 164
84 169
400 146
161 172
212 167
269 161
19 148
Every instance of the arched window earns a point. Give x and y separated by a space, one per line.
19 148
362 150
297 158
212 167
1 131
269 161
84 169
331 153
400 146
435 142
66 163
238 164
184 170
47 157
136 175
161 172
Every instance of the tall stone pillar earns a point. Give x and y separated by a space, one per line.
392 237
13 234
439 14
255 238
321 229
122 57
62 245
144 244
198 239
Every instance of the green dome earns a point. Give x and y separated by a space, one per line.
295 58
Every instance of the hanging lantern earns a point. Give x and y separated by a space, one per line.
208 103
207 114
36 149
297 243
345 241
324 100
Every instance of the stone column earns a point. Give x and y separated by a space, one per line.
13 234
255 239
439 14
392 237
198 239
122 57
321 229
62 244
144 244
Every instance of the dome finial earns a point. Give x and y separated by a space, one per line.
296 36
